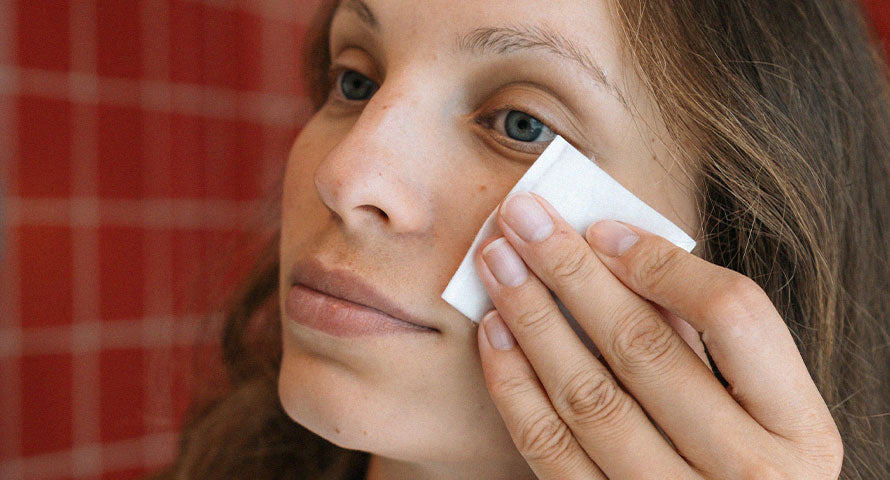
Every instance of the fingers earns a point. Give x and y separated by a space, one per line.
540 435
545 438
745 335
657 367
607 422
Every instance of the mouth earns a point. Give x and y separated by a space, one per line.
341 303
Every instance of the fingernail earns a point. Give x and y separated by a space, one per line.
506 265
612 238
497 333
527 217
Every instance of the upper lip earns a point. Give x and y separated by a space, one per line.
345 285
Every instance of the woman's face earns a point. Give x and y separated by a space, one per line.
437 110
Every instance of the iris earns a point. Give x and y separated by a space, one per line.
522 126
356 86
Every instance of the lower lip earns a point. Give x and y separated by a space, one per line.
342 318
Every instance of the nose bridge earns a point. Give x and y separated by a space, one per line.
373 175
388 118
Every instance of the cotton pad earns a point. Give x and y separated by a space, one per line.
583 194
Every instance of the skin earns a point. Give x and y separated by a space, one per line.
394 189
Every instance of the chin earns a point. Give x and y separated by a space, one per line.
359 413
336 405
318 397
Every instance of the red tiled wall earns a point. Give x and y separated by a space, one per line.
137 150
134 148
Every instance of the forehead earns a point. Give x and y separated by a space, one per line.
443 26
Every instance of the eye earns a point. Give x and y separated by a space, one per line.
519 127
522 126
354 86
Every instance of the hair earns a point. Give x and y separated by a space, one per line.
784 109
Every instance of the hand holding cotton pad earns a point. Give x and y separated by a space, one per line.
583 194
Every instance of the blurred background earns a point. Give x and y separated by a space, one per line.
141 145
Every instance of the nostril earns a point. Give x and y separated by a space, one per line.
377 210
382 213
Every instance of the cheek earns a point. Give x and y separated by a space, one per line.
299 199
305 155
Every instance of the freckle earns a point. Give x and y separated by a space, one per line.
336 429
482 188
364 432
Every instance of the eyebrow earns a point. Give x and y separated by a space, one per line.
505 40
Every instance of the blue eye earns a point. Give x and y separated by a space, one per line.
522 126
519 126
356 86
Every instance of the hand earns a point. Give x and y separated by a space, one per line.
572 417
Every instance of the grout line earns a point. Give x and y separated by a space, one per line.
7 26
289 11
121 455
273 160
151 332
156 213
86 459
154 18
158 293
157 96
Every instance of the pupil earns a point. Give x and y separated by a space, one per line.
520 126
355 86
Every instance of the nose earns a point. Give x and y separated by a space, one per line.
374 178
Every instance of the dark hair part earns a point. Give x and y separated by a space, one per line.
784 109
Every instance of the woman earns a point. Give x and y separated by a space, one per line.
760 128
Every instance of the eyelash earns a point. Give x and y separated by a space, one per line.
485 119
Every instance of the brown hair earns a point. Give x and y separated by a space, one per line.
784 108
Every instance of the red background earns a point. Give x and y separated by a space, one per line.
137 140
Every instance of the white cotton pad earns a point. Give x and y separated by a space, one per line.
583 194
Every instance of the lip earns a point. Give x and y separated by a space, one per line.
341 303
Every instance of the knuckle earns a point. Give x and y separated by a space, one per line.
535 320
763 470
572 265
834 455
735 298
591 398
544 438
650 271
642 340
511 389
824 452
833 458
